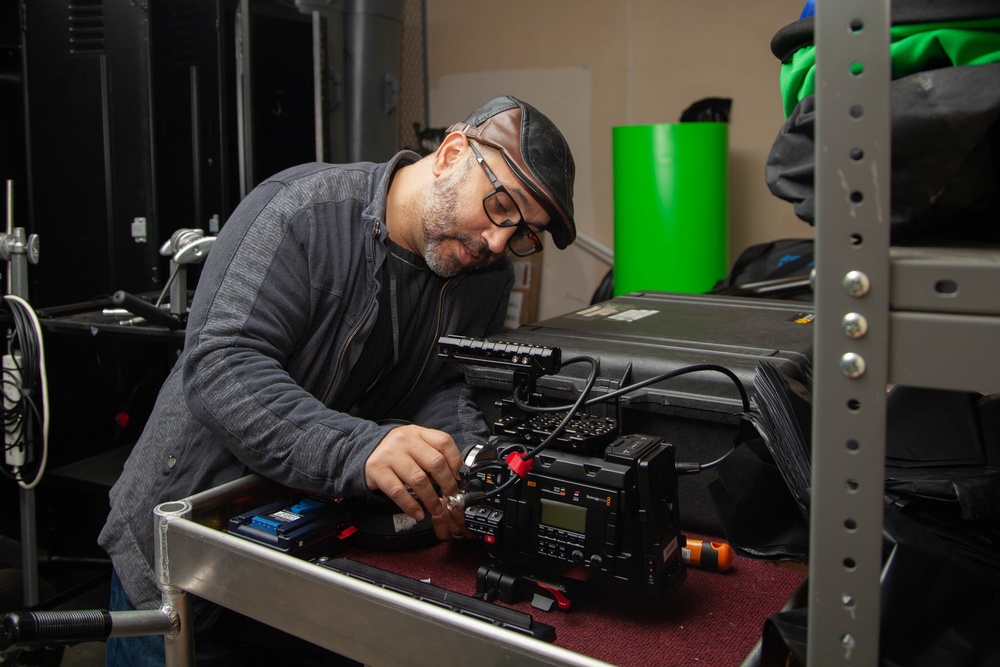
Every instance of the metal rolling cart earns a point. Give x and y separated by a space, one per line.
194 556
883 316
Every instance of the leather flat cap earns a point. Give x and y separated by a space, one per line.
537 153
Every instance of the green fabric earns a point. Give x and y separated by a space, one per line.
671 183
913 48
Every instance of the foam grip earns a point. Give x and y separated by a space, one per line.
53 628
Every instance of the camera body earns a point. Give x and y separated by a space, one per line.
609 518
591 504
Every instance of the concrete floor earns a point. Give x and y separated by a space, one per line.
90 654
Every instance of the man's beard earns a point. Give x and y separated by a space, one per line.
440 223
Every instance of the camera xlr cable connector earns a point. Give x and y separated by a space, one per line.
459 501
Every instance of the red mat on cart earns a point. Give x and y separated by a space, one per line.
713 618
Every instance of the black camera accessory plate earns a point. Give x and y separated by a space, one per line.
533 360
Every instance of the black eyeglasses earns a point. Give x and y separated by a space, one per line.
502 211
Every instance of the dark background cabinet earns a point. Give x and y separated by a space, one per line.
122 121
144 118
126 121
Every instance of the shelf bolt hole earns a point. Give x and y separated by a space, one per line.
946 287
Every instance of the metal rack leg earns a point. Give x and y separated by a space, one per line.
852 330
179 648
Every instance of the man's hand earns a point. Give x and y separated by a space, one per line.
413 458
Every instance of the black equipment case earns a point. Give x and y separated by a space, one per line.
642 335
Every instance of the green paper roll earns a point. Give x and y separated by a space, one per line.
671 191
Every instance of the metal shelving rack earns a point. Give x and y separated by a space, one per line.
925 317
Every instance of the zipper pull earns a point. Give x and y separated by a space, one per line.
377 229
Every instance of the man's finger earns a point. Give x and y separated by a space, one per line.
402 496
450 525
407 465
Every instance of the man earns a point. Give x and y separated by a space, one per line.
314 324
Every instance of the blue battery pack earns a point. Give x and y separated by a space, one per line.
294 523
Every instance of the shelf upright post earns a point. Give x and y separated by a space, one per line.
852 330
18 250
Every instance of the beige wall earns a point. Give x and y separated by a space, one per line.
594 64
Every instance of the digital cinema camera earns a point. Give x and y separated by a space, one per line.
559 493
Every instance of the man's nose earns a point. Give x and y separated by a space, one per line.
497 237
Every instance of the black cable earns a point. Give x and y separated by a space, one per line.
591 379
570 411
581 401
744 398
25 350
695 368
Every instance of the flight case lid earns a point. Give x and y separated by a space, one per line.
640 335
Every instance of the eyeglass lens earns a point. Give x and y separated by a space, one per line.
502 209
504 212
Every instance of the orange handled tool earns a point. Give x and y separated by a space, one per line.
708 555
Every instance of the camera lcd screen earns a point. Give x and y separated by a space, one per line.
564 516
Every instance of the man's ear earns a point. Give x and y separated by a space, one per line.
451 152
